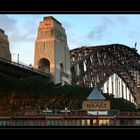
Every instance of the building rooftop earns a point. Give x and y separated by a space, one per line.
52 18
95 95
1 31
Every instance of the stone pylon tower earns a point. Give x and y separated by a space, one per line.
4 46
51 53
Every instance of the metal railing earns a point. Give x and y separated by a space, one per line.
24 66
129 114
59 113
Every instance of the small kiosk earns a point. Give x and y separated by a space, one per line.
96 103
97 107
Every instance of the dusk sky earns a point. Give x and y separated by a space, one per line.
81 29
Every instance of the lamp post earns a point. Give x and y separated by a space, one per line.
17 56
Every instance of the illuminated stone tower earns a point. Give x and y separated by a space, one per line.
51 53
4 46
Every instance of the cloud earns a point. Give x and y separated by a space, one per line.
120 19
67 25
106 22
72 36
8 24
96 33
21 38
99 30
133 33
19 32
25 33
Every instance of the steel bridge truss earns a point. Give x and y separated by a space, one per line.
94 65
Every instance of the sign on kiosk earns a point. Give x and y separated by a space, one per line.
96 105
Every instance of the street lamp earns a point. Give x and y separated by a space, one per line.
17 56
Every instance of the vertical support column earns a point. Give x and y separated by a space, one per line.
91 122
80 121
122 89
46 121
119 89
77 73
129 97
136 77
126 92
112 81
103 88
107 86
77 70
116 86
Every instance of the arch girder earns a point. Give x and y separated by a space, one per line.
96 64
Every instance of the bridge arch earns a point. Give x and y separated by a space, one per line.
44 65
94 65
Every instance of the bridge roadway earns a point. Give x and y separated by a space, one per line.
19 70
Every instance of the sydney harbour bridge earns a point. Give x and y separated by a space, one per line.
114 66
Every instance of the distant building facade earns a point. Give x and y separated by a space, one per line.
4 46
51 53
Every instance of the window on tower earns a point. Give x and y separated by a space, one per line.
61 67
51 32
44 46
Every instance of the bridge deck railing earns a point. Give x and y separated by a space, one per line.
59 113
129 113
24 66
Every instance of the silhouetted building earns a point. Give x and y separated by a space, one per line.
4 46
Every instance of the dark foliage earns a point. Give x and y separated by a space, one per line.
32 94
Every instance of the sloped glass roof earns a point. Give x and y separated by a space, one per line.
95 95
